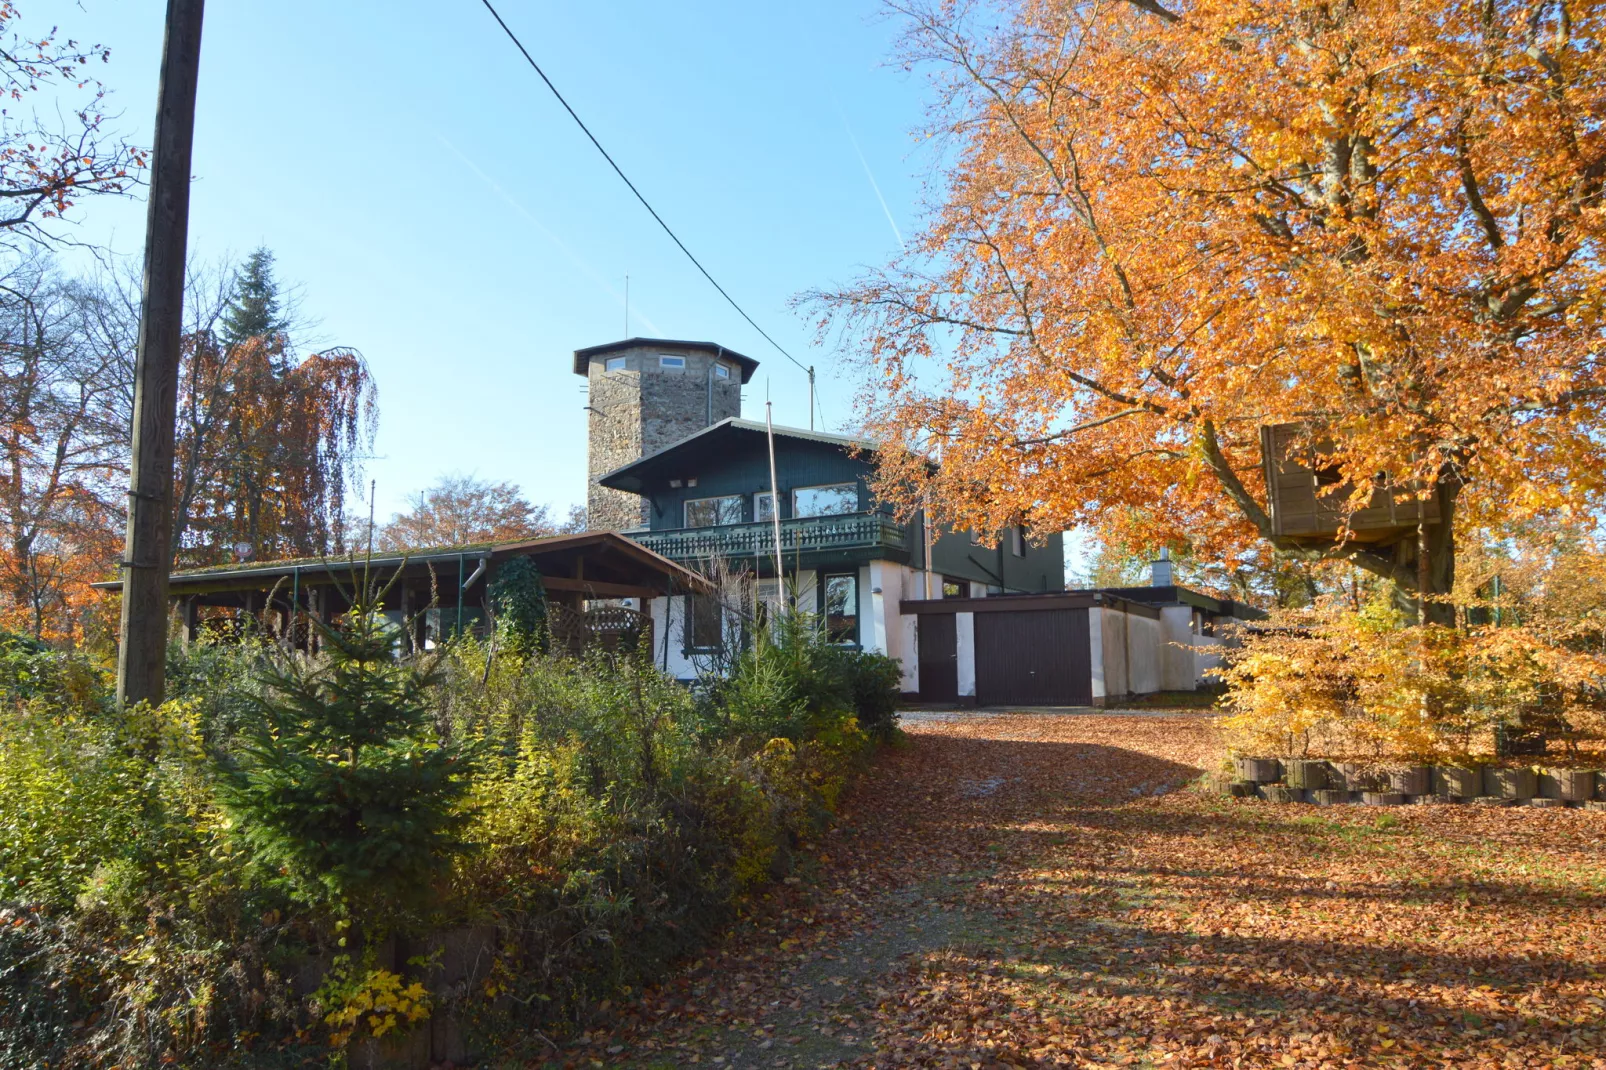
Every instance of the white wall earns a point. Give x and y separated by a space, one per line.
804 584
1113 625
676 663
965 634
894 634
872 625
1206 661
1177 670
1095 659
1143 653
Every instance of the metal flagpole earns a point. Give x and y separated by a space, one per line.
775 512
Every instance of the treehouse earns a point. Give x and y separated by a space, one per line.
1310 502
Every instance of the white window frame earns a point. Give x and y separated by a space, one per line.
823 595
797 512
758 496
669 360
722 371
685 510
615 364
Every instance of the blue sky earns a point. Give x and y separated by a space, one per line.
444 216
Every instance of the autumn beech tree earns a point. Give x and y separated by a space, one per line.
461 509
1164 226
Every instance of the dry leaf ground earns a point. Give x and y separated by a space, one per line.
997 895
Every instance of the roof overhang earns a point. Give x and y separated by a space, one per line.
582 357
712 442
595 564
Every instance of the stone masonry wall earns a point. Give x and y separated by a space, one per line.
642 409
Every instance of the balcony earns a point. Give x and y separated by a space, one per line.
851 536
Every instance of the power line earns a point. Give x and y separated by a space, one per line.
511 36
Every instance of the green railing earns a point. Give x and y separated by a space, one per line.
806 535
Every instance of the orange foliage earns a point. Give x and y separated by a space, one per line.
1166 226
267 443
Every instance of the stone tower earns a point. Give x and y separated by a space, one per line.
645 394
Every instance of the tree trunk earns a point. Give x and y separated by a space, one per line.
1424 563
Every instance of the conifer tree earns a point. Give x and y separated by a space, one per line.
343 786
255 311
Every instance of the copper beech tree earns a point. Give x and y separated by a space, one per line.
1165 225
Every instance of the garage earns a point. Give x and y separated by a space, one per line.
1033 658
1071 648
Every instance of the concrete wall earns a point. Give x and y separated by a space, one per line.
642 409
1143 653
1125 653
1113 625
1206 662
1177 669
965 634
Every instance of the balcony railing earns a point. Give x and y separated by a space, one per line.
804 535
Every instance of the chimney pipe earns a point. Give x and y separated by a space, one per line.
1160 570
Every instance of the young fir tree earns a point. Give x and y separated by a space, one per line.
343 786
255 310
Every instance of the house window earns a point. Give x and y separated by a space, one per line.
952 588
833 500
705 620
712 512
615 364
722 371
674 363
763 506
839 596
1017 541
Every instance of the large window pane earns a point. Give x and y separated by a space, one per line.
841 609
705 631
832 500
763 506
711 512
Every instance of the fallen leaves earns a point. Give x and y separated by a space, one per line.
1056 921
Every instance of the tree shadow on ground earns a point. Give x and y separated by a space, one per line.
1117 926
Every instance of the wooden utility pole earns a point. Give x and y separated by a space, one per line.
147 551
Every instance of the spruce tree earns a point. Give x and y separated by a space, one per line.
254 311
343 786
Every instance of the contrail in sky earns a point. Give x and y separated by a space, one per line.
507 199
893 223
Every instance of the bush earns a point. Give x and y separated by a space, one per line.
790 682
179 878
341 784
1369 684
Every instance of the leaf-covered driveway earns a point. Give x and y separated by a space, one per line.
1034 890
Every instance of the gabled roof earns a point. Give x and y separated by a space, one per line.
714 440
582 357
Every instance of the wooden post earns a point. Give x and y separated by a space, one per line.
192 620
147 551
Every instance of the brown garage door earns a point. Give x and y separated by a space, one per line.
939 658
1033 659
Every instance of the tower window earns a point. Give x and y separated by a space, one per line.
677 363
616 364
721 371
